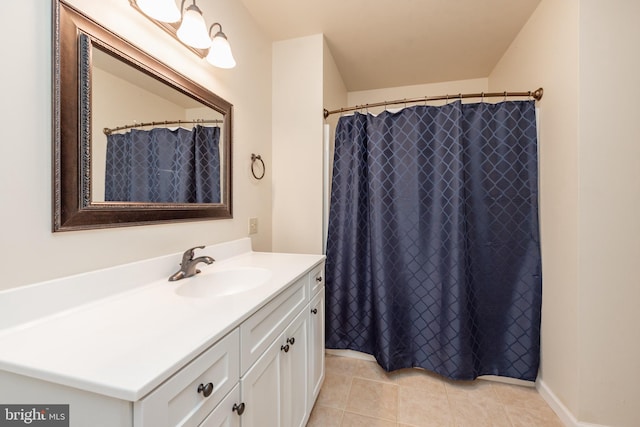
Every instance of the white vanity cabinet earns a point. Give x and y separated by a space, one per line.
150 358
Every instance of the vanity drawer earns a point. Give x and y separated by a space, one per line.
316 278
263 327
225 415
177 402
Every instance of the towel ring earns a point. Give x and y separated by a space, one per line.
255 157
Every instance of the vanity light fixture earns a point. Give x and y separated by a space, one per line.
190 28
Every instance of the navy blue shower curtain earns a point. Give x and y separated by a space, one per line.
164 166
433 255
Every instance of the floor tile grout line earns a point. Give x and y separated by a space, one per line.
395 420
346 403
454 418
371 417
341 417
397 393
373 379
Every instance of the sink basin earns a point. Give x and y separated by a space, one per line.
223 282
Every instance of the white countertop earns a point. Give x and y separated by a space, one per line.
126 344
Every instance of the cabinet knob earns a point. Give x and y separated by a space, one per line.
238 408
319 279
314 311
206 390
285 348
291 340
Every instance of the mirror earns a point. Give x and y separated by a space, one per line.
104 86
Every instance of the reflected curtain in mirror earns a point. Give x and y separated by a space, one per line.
164 166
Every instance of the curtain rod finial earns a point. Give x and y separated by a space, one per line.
537 94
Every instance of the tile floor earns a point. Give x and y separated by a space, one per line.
360 393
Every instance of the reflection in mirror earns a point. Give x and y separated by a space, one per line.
173 158
101 81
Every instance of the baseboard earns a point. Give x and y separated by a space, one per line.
350 353
507 380
567 418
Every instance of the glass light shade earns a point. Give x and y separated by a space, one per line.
193 30
220 53
160 10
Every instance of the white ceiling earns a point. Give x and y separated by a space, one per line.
388 43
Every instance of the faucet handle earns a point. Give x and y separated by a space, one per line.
188 254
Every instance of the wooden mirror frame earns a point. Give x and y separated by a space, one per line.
74 34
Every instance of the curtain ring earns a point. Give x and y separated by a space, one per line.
255 157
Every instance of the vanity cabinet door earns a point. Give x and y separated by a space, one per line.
275 389
261 390
294 372
316 345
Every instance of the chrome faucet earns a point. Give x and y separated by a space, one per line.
188 264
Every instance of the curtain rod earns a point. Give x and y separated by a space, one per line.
108 131
536 94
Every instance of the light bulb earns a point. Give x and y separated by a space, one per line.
193 30
160 10
220 52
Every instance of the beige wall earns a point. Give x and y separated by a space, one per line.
416 91
584 53
297 145
334 90
335 96
305 80
29 252
609 331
